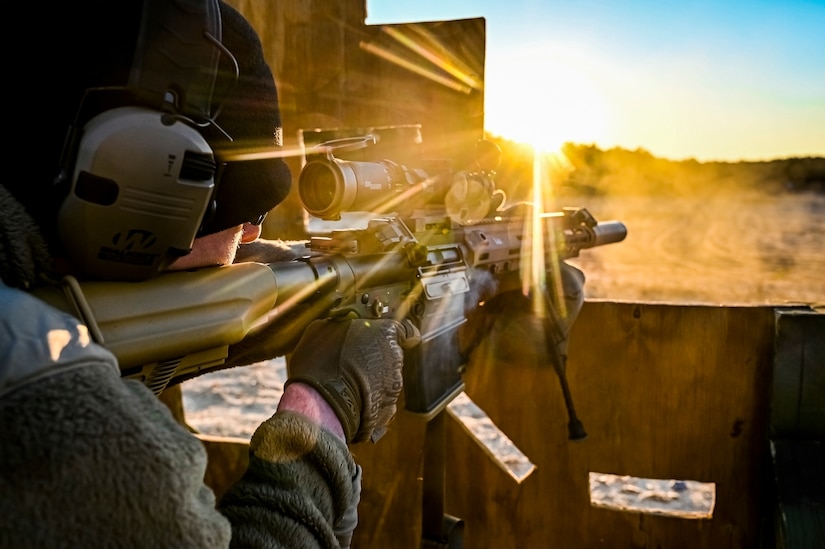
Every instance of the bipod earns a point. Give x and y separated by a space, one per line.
553 337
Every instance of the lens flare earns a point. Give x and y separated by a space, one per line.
547 168
419 51
545 98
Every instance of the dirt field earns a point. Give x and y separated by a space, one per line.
728 249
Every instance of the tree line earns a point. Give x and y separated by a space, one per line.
586 170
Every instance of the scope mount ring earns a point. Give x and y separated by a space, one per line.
345 144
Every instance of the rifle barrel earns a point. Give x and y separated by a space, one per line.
608 232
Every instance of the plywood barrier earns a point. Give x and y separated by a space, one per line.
228 458
664 392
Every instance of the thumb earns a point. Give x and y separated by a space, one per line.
408 334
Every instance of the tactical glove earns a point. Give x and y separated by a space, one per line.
356 365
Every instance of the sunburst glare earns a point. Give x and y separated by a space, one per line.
543 99
540 259
423 54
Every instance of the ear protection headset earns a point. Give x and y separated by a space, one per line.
141 175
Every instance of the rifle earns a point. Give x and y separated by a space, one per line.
425 262
435 243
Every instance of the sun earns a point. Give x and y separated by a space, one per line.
542 98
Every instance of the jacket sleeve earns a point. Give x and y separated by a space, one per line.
86 458
298 485
89 459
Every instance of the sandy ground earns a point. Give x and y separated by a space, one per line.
686 499
728 249
232 403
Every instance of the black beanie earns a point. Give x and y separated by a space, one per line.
249 113
90 43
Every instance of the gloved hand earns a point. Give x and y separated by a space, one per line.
356 365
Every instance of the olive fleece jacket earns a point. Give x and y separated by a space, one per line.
88 459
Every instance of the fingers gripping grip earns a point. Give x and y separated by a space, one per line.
356 366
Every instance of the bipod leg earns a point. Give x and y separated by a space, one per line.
438 530
553 336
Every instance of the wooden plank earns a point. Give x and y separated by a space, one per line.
798 428
228 459
798 406
800 493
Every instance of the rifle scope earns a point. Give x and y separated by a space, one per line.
330 186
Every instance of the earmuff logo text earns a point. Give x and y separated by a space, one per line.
131 247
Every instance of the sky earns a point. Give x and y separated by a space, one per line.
725 80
